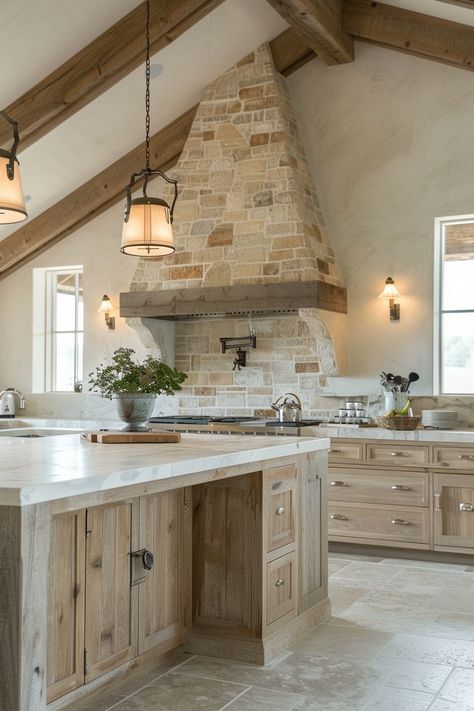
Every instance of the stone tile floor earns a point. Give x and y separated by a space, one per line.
401 639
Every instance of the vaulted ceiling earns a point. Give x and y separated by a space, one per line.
83 119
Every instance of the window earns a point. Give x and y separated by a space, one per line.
58 330
454 305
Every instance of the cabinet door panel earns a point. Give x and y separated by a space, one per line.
65 660
281 587
164 527
280 491
454 510
312 525
108 630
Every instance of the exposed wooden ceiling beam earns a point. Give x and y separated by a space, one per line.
406 31
461 3
101 64
92 198
290 52
318 22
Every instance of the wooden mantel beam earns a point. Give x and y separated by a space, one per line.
91 199
318 23
100 65
406 31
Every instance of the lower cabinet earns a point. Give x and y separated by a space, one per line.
115 586
454 511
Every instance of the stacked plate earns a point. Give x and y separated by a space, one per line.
439 419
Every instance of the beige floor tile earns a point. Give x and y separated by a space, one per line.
336 564
443 705
367 572
414 676
342 596
258 699
433 650
173 692
452 601
399 700
432 579
452 624
330 640
100 700
460 687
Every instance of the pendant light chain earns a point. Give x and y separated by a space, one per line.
147 93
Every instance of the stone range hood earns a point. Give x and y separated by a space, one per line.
232 301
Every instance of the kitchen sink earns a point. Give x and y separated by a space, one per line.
33 432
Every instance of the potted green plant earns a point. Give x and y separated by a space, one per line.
135 385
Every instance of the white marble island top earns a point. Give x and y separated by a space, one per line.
50 468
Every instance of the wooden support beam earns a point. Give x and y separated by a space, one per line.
290 52
318 22
100 65
461 3
406 31
92 198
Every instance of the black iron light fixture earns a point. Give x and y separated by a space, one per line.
12 202
147 228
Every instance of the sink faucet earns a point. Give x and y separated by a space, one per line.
7 402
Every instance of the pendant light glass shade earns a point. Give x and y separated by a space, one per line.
147 232
390 290
12 202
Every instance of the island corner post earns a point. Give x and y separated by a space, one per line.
283 502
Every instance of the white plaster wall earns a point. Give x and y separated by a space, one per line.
389 140
106 271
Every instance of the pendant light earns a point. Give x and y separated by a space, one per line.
147 225
12 202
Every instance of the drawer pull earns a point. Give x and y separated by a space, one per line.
437 502
400 487
399 522
339 517
466 507
466 456
339 483
279 583
399 454
280 510
335 451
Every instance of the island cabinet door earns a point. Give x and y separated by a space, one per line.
65 660
164 591
110 629
454 510
312 527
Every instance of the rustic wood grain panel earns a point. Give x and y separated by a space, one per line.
290 52
92 198
312 524
280 507
319 25
453 527
101 64
66 587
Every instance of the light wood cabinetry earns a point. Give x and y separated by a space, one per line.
400 495
280 504
281 587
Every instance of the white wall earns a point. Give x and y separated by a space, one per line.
389 140
106 271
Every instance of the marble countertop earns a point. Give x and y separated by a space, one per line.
461 436
51 468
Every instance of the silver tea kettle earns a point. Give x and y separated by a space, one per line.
288 410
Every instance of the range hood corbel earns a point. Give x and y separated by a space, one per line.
233 301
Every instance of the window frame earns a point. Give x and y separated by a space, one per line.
440 224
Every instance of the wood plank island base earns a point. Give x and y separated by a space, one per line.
111 554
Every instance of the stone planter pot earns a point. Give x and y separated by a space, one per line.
135 409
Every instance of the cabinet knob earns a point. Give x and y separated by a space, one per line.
339 483
399 522
398 454
400 487
279 583
466 456
280 510
467 507
335 451
338 517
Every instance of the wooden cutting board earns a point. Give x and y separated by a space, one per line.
112 437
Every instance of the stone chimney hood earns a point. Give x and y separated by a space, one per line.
283 298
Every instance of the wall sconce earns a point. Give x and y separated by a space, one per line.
105 308
391 293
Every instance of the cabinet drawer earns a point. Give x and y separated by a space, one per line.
383 523
281 587
346 451
454 457
397 454
381 487
280 493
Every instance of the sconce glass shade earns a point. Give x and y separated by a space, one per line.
390 291
12 202
105 306
148 232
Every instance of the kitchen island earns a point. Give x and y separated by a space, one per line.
112 553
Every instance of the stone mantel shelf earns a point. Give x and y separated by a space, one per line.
46 469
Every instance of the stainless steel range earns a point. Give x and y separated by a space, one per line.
231 425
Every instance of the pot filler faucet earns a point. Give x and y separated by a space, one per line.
7 402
